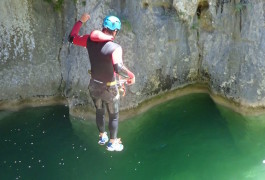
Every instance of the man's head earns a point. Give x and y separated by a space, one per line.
111 25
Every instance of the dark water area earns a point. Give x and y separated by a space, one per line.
188 138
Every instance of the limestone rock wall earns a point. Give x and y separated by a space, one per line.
232 52
30 41
167 44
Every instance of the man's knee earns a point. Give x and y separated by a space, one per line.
114 116
98 103
113 107
100 112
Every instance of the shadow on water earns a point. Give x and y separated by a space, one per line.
189 137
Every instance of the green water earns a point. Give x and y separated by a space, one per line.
188 138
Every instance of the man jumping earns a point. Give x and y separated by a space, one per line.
106 61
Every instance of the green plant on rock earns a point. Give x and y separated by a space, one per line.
241 5
126 25
84 3
195 26
58 4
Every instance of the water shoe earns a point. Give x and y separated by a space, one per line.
103 139
115 146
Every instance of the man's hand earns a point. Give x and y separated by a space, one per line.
131 81
85 17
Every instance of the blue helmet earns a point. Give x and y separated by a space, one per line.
112 22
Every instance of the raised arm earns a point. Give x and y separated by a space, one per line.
74 36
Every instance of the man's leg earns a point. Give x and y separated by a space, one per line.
113 110
114 144
113 125
95 90
100 120
100 115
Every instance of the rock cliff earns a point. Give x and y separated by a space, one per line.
168 44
